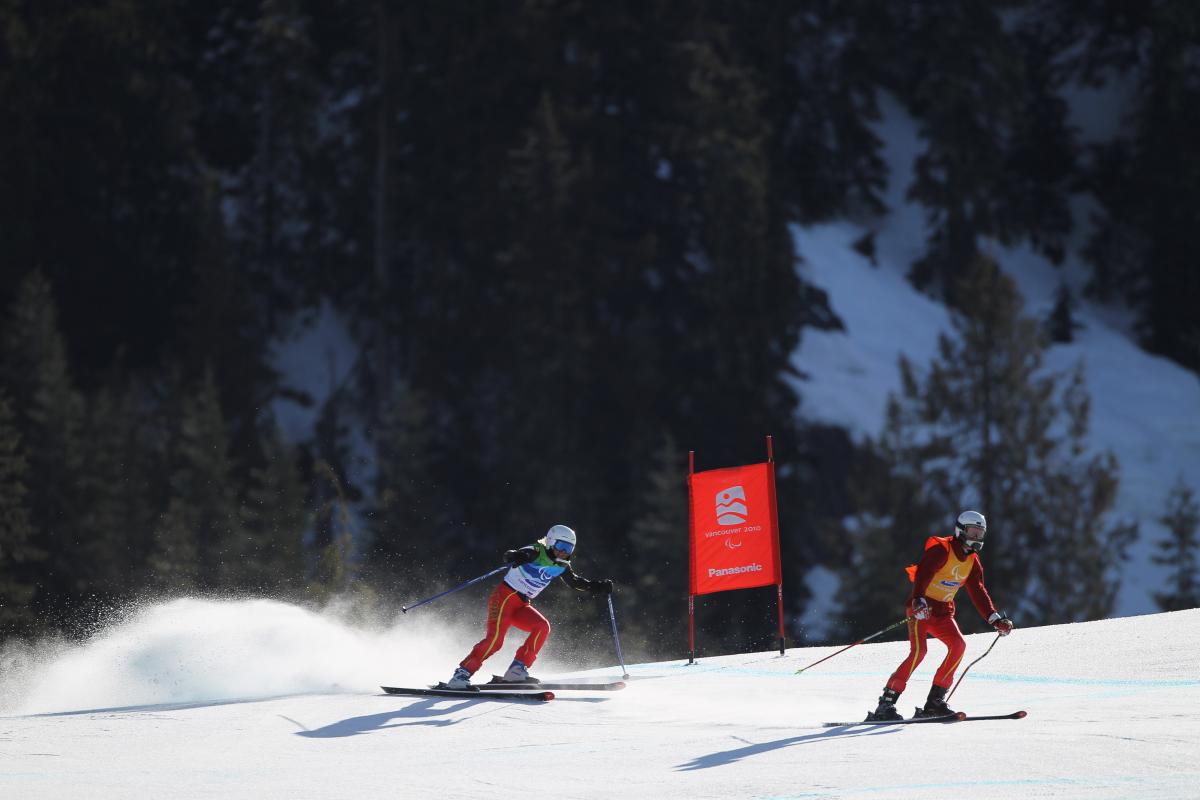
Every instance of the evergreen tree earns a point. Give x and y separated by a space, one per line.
282 83
1041 148
659 536
986 428
332 497
614 187
117 491
999 154
197 536
268 554
97 101
1147 179
49 415
17 552
1179 551
1082 489
409 510
596 231
224 327
175 561
820 67
885 533
1061 326
335 550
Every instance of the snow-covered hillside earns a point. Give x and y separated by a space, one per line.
1146 410
256 699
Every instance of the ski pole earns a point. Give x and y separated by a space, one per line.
860 641
406 609
612 615
973 663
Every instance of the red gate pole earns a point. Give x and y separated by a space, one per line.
779 605
775 525
691 565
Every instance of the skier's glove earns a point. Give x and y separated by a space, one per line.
920 608
518 557
601 588
1001 623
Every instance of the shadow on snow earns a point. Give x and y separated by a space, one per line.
420 712
726 757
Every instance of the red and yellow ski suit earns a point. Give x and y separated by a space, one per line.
509 605
944 568
509 608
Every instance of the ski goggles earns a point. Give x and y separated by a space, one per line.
973 533
565 548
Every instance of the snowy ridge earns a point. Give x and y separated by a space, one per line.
1145 409
258 699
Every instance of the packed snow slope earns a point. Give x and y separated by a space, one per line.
257 699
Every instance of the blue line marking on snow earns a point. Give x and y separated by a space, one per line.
1057 680
1144 783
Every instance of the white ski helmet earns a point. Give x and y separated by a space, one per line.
970 528
561 537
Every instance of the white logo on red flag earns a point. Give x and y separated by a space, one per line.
733 526
731 506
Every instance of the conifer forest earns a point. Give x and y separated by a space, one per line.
561 236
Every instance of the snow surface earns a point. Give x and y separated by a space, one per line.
260 699
315 359
1145 409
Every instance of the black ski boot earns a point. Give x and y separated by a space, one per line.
886 710
935 704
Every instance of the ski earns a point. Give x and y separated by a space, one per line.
1013 715
957 717
435 691
496 684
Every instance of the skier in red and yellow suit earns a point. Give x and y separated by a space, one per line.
533 568
948 564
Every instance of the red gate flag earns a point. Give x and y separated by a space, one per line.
735 530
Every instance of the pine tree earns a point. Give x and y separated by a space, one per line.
282 120
1180 551
49 415
331 496
119 170
985 427
999 153
615 186
1061 325
884 535
659 537
195 539
1082 489
336 562
1147 178
117 491
17 553
268 553
223 327
409 508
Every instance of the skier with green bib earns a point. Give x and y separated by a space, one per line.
532 569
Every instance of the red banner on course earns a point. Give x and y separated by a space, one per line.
734 529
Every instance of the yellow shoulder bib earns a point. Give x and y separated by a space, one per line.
949 579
